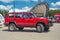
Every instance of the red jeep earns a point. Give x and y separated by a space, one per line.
26 19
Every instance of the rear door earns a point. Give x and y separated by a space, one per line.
18 19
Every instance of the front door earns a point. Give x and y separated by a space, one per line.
28 20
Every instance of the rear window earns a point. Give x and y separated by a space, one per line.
11 15
18 15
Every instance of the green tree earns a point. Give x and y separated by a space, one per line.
52 12
3 12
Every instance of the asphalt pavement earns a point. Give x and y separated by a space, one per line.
31 34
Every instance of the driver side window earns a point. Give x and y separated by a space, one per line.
26 16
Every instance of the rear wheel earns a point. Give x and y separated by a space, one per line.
12 27
40 27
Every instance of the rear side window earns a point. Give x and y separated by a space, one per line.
18 15
11 15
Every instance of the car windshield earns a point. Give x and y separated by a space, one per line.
33 15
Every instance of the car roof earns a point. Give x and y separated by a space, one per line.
18 12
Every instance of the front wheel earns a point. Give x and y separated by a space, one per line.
40 27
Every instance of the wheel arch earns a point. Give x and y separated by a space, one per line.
41 23
12 22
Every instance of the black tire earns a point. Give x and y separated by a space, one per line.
12 27
40 28
21 28
46 29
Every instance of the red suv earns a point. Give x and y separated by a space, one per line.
26 19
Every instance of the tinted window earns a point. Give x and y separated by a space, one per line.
11 15
26 16
33 15
19 15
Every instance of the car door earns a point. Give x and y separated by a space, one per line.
28 20
18 19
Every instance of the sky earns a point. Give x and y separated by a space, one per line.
27 4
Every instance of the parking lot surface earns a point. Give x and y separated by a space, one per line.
31 34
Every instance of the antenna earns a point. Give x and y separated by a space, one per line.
42 0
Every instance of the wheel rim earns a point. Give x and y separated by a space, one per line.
42 27
11 27
38 28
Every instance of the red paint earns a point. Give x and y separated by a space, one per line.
25 22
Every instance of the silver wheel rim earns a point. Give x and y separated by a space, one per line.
42 27
11 27
38 28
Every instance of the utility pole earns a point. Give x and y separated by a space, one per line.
13 6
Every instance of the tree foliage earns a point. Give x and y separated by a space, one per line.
52 12
3 12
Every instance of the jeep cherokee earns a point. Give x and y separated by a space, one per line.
26 19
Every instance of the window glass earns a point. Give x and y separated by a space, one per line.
19 15
26 16
11 15
33 15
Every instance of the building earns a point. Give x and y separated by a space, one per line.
41 9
